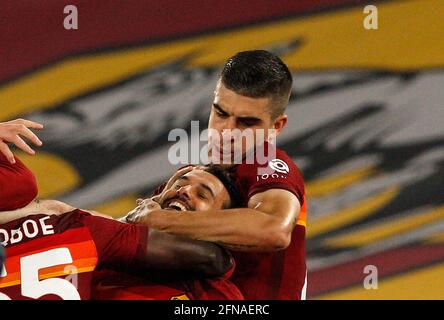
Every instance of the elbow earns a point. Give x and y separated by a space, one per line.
218 263
278 238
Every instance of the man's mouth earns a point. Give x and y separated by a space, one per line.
178 205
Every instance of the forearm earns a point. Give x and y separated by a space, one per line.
174 253
241 229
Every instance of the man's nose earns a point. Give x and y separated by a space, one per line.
228 131
229 124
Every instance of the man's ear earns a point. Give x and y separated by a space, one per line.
280 123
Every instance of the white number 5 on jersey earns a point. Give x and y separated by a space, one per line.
29 270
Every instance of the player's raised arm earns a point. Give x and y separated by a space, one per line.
18 185
13 132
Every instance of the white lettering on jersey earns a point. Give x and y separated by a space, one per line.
28 230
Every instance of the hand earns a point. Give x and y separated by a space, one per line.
179 173
141 212
11 131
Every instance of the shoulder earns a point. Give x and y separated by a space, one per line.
271 158
284 163
273 169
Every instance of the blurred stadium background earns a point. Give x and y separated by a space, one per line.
366 116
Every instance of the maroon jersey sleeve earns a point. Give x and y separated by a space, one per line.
277 172
220 288
119 245
18 185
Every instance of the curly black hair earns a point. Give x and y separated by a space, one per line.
228 182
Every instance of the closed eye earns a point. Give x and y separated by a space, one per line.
205 192
219 111
221 115
249 122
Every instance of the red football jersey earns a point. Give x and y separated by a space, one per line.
53 257
216 289
18 186
111 285
281 274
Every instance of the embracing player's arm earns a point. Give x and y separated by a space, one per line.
174 253
132 247
266 224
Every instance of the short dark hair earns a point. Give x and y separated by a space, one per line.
259 74
229 184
